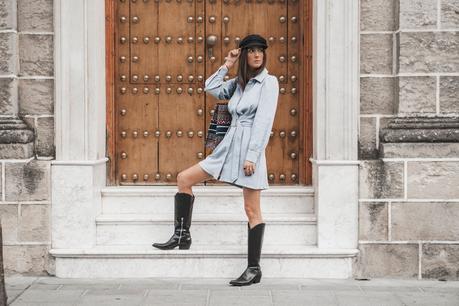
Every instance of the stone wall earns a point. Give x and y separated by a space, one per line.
27 138
409 139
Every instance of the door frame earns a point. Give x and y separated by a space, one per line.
305 95
78 173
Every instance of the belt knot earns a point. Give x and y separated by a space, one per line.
240 123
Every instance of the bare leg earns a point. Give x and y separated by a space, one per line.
183 208
252 273
191 176
252 206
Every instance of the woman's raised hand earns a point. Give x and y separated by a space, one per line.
232 57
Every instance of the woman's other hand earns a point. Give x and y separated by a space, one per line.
232 57
249 168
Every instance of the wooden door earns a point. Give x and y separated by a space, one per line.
161 55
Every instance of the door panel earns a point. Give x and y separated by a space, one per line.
164 51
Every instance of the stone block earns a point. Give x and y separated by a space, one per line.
380 179
8 14
9 219
424 52
45 136
36 97
425 221
418 14
373 221
419 149
377 95
8 53
30 259
433 179
449 94
34 223
387 260
27 181
417 94
449 14
377 15
367 138
8 96
440 261
16 150
35 15
376 53
36 55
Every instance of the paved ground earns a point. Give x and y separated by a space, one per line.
161 291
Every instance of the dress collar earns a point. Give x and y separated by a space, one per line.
259 77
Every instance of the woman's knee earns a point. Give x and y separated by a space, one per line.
251 211
182 179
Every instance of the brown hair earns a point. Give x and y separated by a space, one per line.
243 71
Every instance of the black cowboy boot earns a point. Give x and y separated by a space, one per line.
182 222
252 273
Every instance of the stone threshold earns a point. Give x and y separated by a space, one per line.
203 190
268 251
290 218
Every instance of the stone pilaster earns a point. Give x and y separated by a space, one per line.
16 138
80 163
336 100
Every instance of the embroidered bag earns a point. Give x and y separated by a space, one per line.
219 125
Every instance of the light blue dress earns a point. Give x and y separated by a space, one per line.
253 111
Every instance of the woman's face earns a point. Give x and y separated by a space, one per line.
254 57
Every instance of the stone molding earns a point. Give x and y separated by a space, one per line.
421 129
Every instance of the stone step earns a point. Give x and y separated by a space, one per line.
202 261
206 229
209 199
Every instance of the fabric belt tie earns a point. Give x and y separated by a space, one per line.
237 136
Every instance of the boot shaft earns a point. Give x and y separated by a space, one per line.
183 210
255 242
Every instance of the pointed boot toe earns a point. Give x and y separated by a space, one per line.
251 275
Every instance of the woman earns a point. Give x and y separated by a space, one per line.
239 159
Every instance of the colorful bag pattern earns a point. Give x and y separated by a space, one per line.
219 125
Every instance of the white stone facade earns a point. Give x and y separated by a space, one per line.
371 64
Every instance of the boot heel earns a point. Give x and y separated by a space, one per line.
185 246
257 278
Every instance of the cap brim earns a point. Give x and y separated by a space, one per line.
255 45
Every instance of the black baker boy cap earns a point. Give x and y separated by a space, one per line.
253 40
